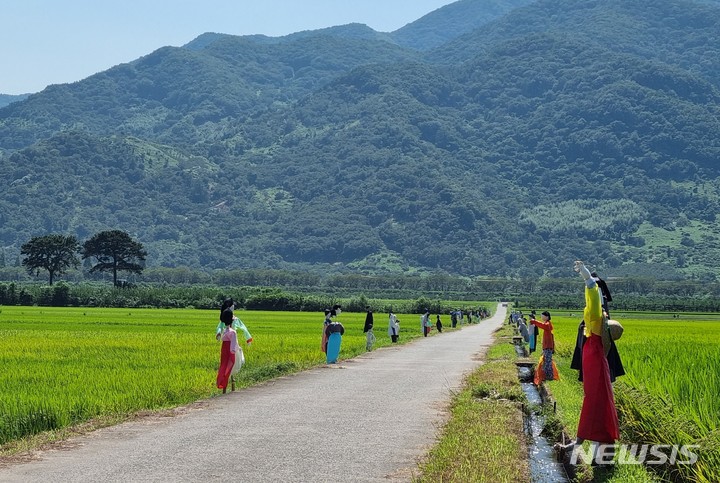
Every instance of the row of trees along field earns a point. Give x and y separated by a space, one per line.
266 289
113 251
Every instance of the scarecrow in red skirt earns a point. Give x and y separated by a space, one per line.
546 369
598 417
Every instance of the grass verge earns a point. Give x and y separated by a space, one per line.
484 439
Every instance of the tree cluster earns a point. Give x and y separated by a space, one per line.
113 251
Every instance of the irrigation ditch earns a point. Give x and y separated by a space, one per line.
543 429
542 458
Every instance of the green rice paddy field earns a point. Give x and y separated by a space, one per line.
671 391
62 366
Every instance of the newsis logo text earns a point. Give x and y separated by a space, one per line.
636 454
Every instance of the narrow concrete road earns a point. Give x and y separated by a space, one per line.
369 419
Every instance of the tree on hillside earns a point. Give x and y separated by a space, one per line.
54 253
114 251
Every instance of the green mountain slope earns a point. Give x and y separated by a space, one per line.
185 95
536 139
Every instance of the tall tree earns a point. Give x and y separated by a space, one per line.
54 253
114 251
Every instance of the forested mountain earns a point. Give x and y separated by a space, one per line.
187 95
487 138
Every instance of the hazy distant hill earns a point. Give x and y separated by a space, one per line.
559 130
681 33
452 21
6 99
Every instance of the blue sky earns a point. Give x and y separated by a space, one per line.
46 42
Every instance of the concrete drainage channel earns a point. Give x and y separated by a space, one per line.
544 467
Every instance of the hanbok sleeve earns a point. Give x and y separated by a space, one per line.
541 324
238 324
